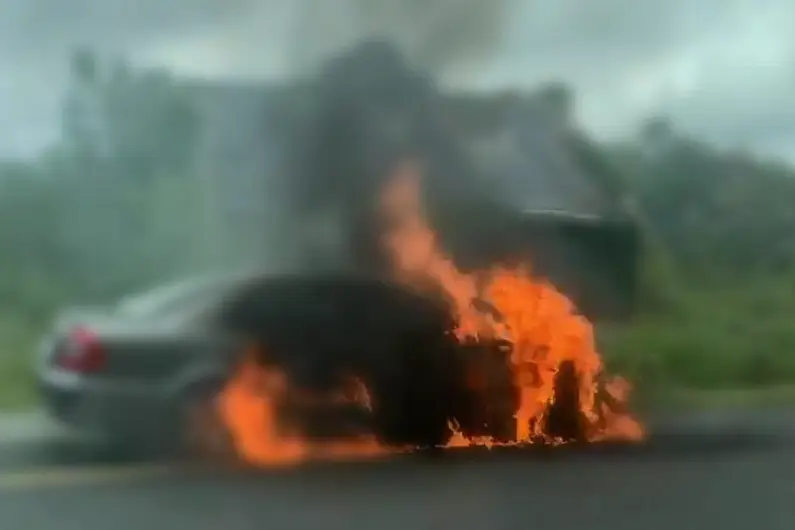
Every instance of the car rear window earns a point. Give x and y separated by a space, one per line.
171 299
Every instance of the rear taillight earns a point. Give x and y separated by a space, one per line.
82 352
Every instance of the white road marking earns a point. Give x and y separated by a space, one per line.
47 477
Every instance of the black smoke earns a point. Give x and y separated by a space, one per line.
370 109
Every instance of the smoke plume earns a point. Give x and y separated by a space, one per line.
431 33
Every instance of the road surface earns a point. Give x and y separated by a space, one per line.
703 473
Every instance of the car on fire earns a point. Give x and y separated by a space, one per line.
148 371
143 374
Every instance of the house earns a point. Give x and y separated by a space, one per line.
574 223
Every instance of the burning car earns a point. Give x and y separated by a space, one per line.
147 374
429 324
277 369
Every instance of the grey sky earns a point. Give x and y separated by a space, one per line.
721 68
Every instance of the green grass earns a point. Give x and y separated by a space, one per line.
706 355
732 344
17 347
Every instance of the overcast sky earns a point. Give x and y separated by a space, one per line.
724 69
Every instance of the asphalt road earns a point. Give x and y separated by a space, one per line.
724 472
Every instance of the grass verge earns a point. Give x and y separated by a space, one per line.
17 347
728 346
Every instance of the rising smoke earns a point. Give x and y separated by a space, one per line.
367 96
432 33
372 111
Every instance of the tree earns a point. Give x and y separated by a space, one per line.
29 244
124 131
720 213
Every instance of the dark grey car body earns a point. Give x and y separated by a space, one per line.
158 346
162 358
317 328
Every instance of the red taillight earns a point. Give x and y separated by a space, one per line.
82 352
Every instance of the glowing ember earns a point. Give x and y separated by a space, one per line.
539 323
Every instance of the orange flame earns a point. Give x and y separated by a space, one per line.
538 322
250 404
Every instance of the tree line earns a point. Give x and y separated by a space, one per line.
112 204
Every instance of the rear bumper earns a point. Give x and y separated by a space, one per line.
101 409
59 403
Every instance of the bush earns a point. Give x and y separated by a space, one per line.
719 337
18 340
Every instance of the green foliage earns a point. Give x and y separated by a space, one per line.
17 341
726 338
720 257
724 213
114 205
29 243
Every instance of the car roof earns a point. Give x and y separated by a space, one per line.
170 295
218 286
